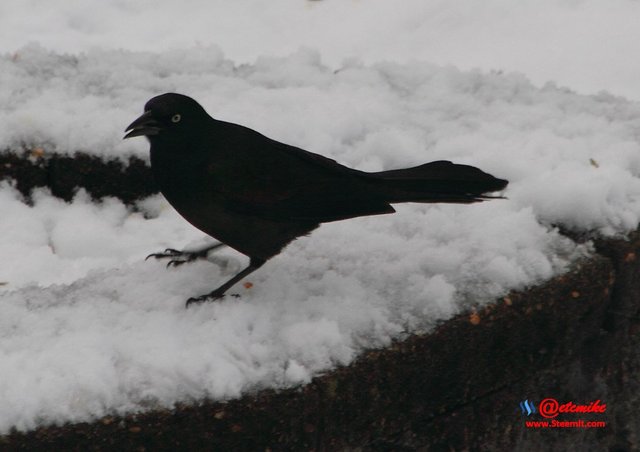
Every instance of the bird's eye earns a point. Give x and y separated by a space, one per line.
176 118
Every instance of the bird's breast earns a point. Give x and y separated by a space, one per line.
183 180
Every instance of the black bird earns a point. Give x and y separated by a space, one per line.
256 194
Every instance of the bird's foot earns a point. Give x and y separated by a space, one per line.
178 257
210 297
201 299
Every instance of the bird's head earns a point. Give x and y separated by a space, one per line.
167 114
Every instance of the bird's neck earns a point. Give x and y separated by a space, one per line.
176 171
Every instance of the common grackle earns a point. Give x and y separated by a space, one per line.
256 194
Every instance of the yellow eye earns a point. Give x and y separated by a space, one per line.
176 118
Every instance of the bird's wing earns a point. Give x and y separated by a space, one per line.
262 177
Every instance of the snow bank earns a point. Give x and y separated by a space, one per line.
87 327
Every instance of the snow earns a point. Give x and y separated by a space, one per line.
88 327
589 45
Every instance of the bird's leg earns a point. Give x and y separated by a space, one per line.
180 257
254 264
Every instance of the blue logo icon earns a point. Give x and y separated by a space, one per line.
527 407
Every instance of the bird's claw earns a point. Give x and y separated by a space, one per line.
178 257
169 252
210 297
204 298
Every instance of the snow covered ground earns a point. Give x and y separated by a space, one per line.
87 327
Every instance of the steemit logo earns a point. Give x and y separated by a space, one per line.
527 407
550 408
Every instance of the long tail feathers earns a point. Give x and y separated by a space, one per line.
439 181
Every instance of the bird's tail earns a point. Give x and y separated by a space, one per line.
440 181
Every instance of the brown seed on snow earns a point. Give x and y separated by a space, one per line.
37 152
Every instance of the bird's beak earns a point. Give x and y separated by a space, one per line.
146 124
